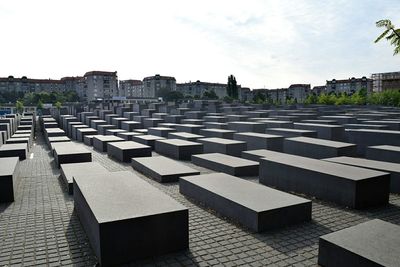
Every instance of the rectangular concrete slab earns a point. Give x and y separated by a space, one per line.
389 167
184 136
8 178
318 148
384 153
260 140
69 171
255 206
147 139
350 186
126 150
178 148
285 132
14 150
162 169
226 164
100 141
224 146
126 218
372 243
68 152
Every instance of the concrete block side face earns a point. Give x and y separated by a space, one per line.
6 188
73 158
87 220
320 185
331 255
372 192
283 217
149 236
309 150
223 206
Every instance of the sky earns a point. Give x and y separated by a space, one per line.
265 44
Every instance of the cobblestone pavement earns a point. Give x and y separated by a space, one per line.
41 227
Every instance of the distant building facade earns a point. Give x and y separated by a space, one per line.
153 84
100 85
298 92
386 81
76 84
131 89
317 90
349 86
198 88
26 85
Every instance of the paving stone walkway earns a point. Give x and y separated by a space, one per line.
41 228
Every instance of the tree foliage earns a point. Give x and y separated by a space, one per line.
232 88
390 33
19 106
210 95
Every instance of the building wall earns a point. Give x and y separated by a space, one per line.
100 85
131 89
299 92
348 86
386 81
26 85
153 84
198 88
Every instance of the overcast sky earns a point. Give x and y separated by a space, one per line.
267 44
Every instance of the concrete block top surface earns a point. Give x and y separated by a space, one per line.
375 240
244 123
261 135
54 130
185 135
83 130
367 163
226 159
254 196
69 148
321 166
317 141
386 147
72 169
291 130
122 195
217 130
149 137
108 138
178 142
7 165
221 141
6 147
318 125
163 165
127 145
374 131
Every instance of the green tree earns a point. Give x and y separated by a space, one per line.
392 35
58 105
210 95
311 99
259 98
39 104
19 105
232 88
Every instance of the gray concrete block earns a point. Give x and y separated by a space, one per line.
255 206
147 139
324 131
345 185
389 167
126 150
226 164
184 136
100 141
260 141
67 152
318 148
372 243
178 148
384 153
69 171
14 150
224 146
162 169
8 178
221 133
126 218
247 126
160 131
